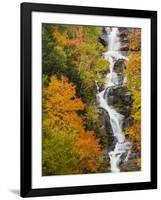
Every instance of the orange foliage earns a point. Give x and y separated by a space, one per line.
61 104
89 151
63 39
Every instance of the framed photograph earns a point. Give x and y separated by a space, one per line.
88 99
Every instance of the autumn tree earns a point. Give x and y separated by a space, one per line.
89 151
67 147
133 72
60 105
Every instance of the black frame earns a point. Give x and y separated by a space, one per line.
26 104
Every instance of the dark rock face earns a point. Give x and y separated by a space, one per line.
131 164
102 40
119 96
121 99
104 127
105 120
124 48
119 66
123 34
124 40
106 130
103 37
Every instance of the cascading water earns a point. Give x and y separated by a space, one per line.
122 146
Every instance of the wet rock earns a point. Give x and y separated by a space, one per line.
124 110
103 37
119 95
111 142
128 98
130 165
111 100
121 99
120 78
104 126
102 40
128 121
107 123
123 32
124 40
125 48
119 66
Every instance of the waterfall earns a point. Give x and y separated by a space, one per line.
122 146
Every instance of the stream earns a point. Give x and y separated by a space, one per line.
122 147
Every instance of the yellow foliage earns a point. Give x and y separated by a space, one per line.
135 39
133 71
62 39
139 163
134 134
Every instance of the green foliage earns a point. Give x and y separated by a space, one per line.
75 52
59 156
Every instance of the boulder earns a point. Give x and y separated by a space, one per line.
124 48
123 32
119 66
121 99
103 127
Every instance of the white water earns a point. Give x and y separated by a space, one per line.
116 119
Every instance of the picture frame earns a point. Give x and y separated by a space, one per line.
27 105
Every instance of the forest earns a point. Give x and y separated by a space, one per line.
73 64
